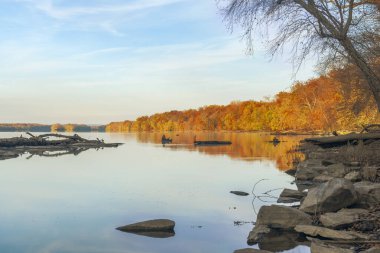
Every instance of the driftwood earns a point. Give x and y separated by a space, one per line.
340 140
42 145
61 140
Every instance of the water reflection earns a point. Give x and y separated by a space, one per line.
245 146
74 203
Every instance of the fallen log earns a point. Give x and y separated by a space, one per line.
39 145
340 140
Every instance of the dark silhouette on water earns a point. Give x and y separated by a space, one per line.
210 143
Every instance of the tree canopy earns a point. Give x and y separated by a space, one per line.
337 32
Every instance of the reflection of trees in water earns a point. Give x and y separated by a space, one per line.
245 146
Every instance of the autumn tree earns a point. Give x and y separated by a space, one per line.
336 31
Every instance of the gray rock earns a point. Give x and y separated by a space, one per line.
323 178
309 169
239 193
290 196
336 170
278 240
329 233
353 176
282 217
372 250
331 196
369 193
342 219
149 226
321 248
250 250
257 233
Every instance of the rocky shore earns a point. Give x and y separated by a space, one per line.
336 207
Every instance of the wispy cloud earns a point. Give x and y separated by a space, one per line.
48 7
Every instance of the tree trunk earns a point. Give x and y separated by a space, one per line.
370 75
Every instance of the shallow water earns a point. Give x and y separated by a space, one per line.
74 203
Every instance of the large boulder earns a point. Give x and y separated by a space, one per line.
290 196
369 193
331 196
342 219
282 217
149 226
316 231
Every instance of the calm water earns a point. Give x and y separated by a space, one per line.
74 203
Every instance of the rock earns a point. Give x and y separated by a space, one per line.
239 193
372 250
342 219
309 169
336 170
321 248
278 240
250 250
257 234
369 193
353 176
282 217
291 172
329 233
331 196
323 178
290 196
149 226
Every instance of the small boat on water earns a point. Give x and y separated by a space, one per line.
165 140
210 143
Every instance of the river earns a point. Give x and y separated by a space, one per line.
73 203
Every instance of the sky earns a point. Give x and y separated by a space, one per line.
97 61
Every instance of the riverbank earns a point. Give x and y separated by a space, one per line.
336 207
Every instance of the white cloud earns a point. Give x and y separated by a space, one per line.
48 7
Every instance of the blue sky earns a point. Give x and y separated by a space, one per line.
96 61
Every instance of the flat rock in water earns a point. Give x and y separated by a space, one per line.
290 196
331 196
328 233
282 217
321 248
250 250
239 193
343 218
149 226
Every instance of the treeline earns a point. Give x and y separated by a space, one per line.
24 127
337 101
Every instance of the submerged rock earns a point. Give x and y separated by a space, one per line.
342 219
149 226
278 240
331 196
239 193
